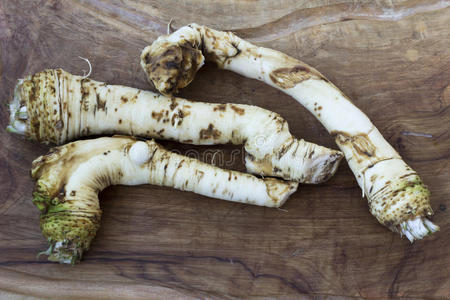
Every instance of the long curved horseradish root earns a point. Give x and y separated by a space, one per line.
54 106
69 178
396 195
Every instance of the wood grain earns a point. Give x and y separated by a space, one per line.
392 58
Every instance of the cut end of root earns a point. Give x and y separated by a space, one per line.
327 167
64 252
18 115
416 229
171 66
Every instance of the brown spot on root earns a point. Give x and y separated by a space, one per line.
209 132
84 101
188 141
361 144
238 110
199 174
120 121
185 112
59 125
180 164
101 104
373 177
124 99
171 65
147 58
285 148
220 107
134 98
158 115
287 78
173 103
250 156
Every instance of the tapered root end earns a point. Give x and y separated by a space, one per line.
279 191
298 161
416 229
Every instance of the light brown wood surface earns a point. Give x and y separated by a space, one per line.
391 57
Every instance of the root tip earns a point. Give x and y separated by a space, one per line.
169 28
90 68
418 228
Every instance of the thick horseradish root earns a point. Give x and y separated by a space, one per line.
396 195
69 178
54 106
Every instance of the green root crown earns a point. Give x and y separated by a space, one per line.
403 206
68 229
42 199
400 201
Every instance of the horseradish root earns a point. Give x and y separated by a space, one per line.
70 177
396 195
55 106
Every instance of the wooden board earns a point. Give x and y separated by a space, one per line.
391 57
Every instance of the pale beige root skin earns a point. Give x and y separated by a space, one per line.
70 177
396 195
62 107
